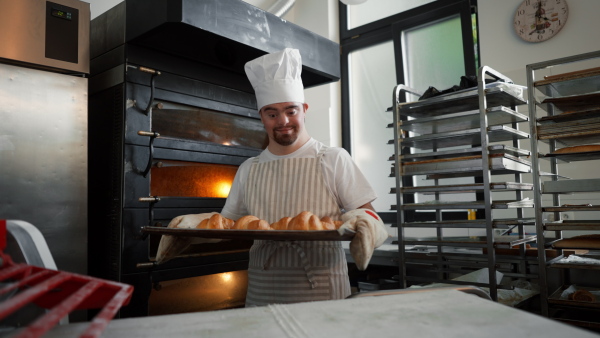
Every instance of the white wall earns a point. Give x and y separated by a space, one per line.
504 51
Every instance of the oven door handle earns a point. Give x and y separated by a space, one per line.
152 135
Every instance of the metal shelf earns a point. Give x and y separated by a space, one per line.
462 121
571 186
499 163
465 188
497 94
468 121
571 117
572 225
438 205
584 81
493 149
462 138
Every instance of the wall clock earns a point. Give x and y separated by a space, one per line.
539 20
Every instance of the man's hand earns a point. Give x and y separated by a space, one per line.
370 234
171 246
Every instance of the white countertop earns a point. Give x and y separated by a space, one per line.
438 313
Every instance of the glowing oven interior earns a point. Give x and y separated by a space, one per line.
189 179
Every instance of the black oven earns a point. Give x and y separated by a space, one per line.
171 117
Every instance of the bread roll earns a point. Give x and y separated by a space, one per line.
300 221
314 223
282 224
582 296
216 221
242 222
329 224
259 224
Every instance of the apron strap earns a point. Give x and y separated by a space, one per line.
303 259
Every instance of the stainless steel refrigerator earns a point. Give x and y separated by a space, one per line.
44 62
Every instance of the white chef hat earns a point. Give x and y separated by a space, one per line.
276 77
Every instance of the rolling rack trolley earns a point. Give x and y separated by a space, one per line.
59 293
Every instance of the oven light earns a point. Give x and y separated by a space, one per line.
226 143
226 276
223 189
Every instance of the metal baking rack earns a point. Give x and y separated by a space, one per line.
470 133
567 113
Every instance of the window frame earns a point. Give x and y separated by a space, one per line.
389 29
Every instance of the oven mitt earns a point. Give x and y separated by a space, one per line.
171 246
370 234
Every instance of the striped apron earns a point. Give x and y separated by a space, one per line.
293 271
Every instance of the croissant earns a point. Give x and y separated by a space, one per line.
306 221
216 221
259 224
243 222
282 224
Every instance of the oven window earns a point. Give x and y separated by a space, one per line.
205 125
191 179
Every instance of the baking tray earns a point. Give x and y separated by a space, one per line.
499 164
566 207
577 128
275 235
466 188
571 186
555 298
574 265
438 205
573 103
493 149
559 118
583 81
475 241
574 157
462 137
462 121
497 94
572 225
475 223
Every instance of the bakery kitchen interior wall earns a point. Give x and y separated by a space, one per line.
500 48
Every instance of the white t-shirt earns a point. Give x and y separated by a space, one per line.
342 177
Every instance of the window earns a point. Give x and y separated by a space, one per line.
429 45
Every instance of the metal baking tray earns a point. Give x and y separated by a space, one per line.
583 81
477 242
466 188
462 137
499 164
574 265
497 94
572 225
574 157
275 235
573 103
555 298
571 186
577 128
462 121
493 149
567 207
559 118
576 139
476 223
447 205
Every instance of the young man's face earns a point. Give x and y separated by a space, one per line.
284 121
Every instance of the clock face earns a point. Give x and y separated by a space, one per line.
539 20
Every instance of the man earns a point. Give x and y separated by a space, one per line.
297 173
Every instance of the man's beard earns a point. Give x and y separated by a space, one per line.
285 139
